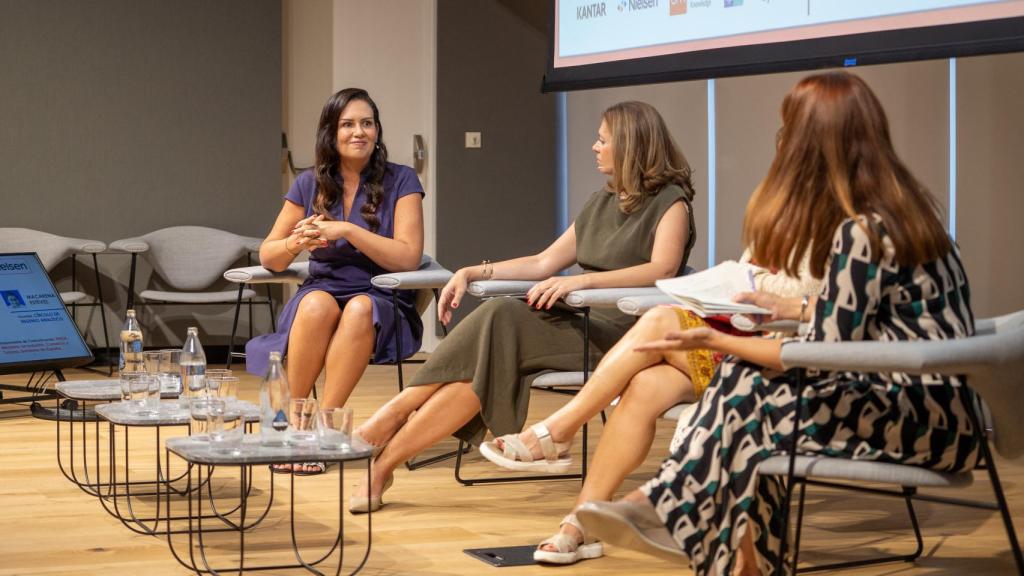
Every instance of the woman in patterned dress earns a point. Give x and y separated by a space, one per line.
891 273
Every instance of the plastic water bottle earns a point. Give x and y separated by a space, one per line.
274 399
131 345
193 368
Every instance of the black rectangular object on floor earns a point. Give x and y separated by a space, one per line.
506 556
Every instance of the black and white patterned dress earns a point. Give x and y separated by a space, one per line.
708 491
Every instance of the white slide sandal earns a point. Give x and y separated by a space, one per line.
516 456
569 551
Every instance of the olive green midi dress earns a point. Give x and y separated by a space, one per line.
503 344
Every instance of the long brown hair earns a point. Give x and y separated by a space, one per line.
835 161
644 155
329 184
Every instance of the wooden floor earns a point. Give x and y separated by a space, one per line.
48 526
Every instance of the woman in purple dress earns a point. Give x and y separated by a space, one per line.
358 215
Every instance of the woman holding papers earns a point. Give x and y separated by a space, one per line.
636 230
836 189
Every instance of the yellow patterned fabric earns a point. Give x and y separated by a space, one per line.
702 362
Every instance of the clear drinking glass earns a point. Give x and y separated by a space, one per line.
225 387
126 379
301 422
151 360
199 411
215 374
224 426
170 372
153 393
334 428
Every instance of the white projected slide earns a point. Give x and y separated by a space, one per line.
589 31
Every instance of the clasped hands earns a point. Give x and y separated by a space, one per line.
316 232
782 308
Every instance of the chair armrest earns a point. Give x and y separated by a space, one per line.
606 297
414 280
129 245
493 288
637 305
429 275
82 246
952 357
296 273
744 323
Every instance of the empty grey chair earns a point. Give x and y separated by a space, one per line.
52 250
992 361
189 259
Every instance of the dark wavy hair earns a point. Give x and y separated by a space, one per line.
329 184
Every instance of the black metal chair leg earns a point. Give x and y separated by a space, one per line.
103 315
997 487
270 305
791 475
799 526
234 324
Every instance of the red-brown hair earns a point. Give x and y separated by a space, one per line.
834 161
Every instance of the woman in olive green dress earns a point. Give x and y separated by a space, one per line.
636 230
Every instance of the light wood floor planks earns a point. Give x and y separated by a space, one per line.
48 526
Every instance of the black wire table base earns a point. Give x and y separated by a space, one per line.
200 524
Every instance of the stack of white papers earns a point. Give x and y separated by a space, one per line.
711 292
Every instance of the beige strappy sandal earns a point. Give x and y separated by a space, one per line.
568 550
515 455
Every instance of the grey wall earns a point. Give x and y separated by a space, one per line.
683 106
990 178
123 116
497 201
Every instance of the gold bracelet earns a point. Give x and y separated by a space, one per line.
803 307
488 270
289 251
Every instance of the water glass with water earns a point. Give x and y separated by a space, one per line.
151 360
213 376
153 393
224 387
301 422
224 426
170 373
199 412
126 379
334 428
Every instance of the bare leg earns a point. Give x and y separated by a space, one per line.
316 320
746 560
383 424
627 436
615 371
447 410
349 351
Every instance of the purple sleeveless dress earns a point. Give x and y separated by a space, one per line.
345 272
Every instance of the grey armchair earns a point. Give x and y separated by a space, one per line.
189 259
52 250
992 361
426 280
